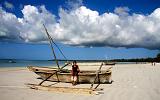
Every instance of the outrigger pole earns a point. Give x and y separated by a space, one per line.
53 74
50 41
97 76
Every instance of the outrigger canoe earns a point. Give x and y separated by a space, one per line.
64 75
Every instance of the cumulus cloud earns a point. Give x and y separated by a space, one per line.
84 27
32 21
9 26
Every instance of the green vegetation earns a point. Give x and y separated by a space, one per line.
156 59
158 55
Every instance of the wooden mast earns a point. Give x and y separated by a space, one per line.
50 41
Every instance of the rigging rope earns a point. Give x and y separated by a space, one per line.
55 44
58 48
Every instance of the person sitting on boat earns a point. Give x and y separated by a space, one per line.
74 72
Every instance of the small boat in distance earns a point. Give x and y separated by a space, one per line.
11 61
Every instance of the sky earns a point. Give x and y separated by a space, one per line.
83 29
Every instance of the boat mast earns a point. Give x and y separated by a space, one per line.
50 41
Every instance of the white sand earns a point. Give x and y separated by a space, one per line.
131 82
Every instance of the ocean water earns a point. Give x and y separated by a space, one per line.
43 63
25 63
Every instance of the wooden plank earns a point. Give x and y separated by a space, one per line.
64 89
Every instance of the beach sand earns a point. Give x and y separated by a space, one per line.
131 82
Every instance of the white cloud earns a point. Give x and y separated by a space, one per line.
32 23
84 27
9 26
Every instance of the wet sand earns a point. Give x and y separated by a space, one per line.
131 82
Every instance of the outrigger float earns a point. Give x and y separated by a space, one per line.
63 75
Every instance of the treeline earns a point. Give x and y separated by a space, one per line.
156 59
136 60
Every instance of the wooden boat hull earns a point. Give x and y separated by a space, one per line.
65 75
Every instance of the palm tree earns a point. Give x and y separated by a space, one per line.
158 55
